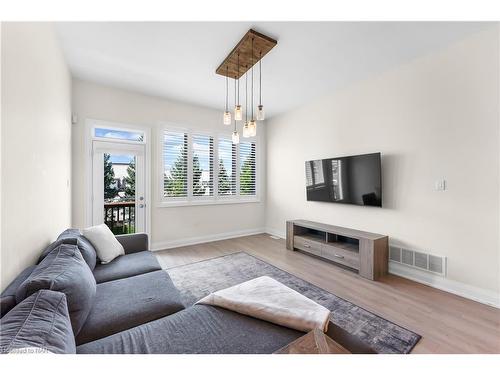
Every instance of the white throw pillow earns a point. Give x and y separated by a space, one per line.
106 245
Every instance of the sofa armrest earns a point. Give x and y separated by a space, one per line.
133 243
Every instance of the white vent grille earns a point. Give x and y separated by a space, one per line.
407 257
395 253
418 259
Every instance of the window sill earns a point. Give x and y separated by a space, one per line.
206 202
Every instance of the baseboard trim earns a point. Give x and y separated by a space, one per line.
162 245
487 297
275 232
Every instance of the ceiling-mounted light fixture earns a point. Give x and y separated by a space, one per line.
227 114
243 55
237 108
246 129
235 136
260 108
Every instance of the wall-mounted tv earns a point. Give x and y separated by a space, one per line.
349 179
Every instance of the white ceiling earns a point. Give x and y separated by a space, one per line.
177 60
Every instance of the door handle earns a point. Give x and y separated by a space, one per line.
142 205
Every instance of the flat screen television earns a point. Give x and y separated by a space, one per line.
349 179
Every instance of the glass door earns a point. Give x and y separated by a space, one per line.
118 186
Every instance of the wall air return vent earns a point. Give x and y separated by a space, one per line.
407 257
418 259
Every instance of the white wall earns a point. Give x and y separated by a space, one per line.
436 117
170 226
36 141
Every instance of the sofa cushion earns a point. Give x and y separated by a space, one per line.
199 329
104 242
40 323
64 270
8 296
127 303
74 237
133 243
126 266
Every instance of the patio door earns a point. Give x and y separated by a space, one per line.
118 186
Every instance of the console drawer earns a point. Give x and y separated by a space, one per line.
337 254
311 246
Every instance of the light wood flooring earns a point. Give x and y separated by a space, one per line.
446 322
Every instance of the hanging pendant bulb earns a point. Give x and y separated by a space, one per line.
238 115
246 130
260 108
236 138
260 113
252 128
227 114
227 118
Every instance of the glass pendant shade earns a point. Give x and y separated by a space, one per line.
260 113
246 130
236 138
227 118
238 113
252 128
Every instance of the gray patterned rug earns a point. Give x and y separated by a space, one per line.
196 280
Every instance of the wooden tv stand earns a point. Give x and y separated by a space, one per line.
364 252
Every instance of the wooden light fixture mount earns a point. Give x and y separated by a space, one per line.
262 44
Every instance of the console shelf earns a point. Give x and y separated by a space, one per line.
362 252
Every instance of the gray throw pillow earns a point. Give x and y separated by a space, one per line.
38 324
64 270
74 237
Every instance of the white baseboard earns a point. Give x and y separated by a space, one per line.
488 297
162 245
275 232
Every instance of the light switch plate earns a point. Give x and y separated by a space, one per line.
440 185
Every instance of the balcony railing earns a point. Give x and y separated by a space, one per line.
120 217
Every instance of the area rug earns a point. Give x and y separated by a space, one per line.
197 280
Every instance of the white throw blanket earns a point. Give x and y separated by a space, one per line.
267 299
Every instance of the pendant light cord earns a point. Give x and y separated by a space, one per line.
252 80
235 102
260 78
246 97
238 78
227 88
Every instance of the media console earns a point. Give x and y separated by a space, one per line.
364 252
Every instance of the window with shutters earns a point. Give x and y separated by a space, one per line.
247 169
227 168
203 165
175 164
204 168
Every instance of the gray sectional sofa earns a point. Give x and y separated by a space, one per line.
129 305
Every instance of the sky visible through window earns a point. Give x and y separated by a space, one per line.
119 134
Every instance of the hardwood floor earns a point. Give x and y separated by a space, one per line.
446 322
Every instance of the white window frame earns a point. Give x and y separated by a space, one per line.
204 200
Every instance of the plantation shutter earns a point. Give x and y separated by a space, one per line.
226 181
175 164
247 169
203 165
